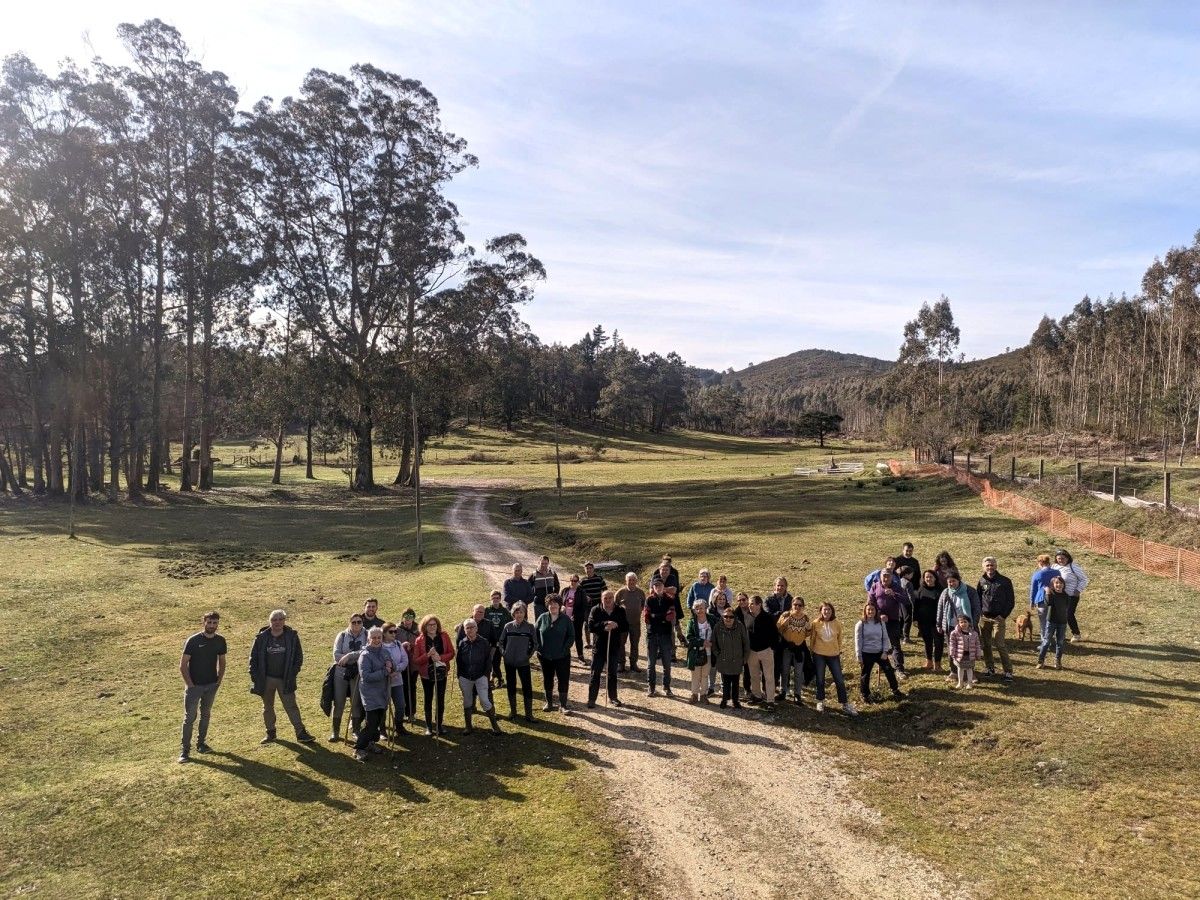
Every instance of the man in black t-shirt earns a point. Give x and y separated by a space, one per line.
202 667
371 615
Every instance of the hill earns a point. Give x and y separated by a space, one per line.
807 365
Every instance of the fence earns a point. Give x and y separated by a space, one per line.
1148 556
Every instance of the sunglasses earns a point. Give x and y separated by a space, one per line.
389 631
356 621
727 618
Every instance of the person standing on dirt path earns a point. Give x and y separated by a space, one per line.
518 641
699 649
556 634
825 641
517 589
275 662
670 579
593 587
608 625
544 583
659 616
370 614
743 614
764 636
794 628
474 659
779 602
1076 581
499 616
632 599
202 667
574 607
996 603
891 600
731 649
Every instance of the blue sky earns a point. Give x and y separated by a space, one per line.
737 181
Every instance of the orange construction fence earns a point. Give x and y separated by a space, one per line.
1148 556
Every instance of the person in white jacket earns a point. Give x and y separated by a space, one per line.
1077 581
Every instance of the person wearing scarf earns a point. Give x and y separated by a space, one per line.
957 599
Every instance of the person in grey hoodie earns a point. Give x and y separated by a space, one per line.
518 641
872 644
374 672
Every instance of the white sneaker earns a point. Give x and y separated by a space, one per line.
849 709
968 686
820 706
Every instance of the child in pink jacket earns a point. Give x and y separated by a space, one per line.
964 650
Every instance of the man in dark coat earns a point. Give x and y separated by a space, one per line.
275 662
608 625
996 601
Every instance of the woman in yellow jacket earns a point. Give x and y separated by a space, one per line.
825 642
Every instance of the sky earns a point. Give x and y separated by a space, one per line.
738 181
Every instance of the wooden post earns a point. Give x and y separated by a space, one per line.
1012 469
1167 491
1078 473
968 462
1116 497
1041 470
1178 564
416 472
989 464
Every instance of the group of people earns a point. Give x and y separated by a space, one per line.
759 648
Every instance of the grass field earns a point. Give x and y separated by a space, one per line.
94 804
1073 783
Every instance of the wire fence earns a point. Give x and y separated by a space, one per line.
1150 557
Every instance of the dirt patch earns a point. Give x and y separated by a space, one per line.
219 560
682 776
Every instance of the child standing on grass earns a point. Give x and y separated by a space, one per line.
825 641
964 650
1057 605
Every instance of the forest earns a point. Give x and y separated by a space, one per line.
178 269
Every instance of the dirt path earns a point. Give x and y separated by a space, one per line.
677 769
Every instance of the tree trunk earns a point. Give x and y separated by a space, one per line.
363 478
7 480
308 451
404 475
276 476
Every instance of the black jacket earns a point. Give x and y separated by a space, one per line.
293 659
327 689
656 609
996 599
601 636
487 631
763 633
474 658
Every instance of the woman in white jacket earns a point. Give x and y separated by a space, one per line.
1076 580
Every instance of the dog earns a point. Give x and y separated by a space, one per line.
1025 625
582 514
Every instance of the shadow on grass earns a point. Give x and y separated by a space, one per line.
283 783
1148 652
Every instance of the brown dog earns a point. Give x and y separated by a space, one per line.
1025 625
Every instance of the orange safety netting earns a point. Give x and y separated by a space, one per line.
1147 556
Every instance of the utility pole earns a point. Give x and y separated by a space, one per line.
416 470
557 462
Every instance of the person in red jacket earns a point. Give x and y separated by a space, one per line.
432 652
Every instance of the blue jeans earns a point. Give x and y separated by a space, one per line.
1056 632
398 701
793 661
835 668
659 647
